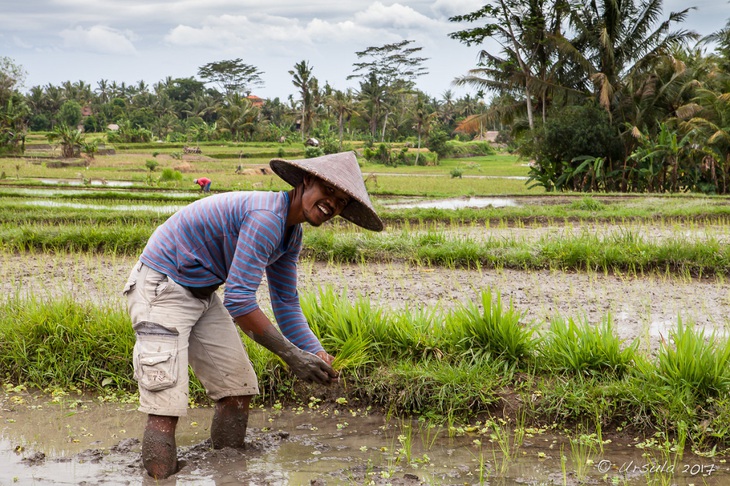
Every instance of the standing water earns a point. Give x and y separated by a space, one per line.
75 440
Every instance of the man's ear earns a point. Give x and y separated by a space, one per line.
307 180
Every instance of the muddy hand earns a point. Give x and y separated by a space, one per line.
305 365
311 367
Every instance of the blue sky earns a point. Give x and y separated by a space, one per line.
132 40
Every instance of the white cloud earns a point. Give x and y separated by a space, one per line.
395 16
449 8
206 36
323 32
100 39
265 33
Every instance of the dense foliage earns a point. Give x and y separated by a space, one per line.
602 96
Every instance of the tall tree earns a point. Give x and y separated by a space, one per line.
232 76
14 111
12 76
522 30
237 116
385 72
342 104
613 41
309 90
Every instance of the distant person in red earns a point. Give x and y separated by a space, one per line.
204 184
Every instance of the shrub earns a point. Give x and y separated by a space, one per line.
171 175
311 152
455 148
567 140
151 164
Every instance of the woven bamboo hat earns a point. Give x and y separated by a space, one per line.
342 171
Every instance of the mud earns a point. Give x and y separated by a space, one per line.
82 441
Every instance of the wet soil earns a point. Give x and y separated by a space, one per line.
79 440
82 441
643 307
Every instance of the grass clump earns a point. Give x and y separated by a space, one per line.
65 343
583 349
694 363
491 330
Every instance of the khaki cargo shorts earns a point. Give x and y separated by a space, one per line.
174 329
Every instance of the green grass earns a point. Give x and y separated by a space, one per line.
620 250
585 349
432 366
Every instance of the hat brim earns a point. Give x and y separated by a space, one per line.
358 211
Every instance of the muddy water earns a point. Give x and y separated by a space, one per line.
81 441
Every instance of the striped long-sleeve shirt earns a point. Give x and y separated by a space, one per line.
233 238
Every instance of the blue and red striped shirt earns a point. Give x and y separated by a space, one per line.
233 238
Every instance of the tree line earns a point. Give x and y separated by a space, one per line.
599 95
221 105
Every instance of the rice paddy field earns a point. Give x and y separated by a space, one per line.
492 334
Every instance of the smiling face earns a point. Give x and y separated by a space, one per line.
321 201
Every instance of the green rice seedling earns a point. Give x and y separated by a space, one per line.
696 363
484 470
584 349
428 431
491 330
582 452
662 460
501 435
405 439
564 465
341 326
588 203
64 343
413 334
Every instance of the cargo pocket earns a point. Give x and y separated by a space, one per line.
132 279
129 286
155 362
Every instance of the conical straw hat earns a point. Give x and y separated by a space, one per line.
342 171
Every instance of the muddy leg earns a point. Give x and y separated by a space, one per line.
159 453
229 422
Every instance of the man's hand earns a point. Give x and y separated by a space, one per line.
312 367
326 357
307 366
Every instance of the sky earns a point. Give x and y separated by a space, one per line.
132 40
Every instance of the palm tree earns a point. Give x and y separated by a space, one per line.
309 89
203 106
422 116
343 105
447 108
102 89
525 65
615 42
69 138
372 98
707 120
237 116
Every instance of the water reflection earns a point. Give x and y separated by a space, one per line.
169 209
337 446
92 182
456 203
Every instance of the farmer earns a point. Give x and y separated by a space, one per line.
233 239
204 184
